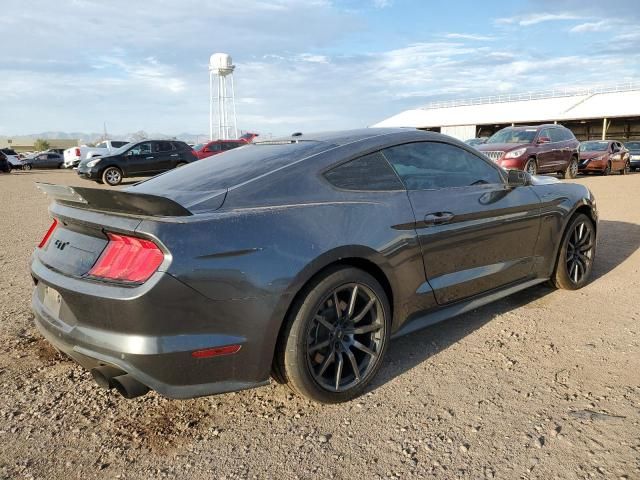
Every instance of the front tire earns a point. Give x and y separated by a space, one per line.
336 336
531 167
112 176
577 252
26 167
607 169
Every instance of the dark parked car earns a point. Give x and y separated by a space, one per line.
299 258
476 141
137 159
205 150
634 154
5 165
43 160
604 157
539 149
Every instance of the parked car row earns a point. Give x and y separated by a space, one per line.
111 160
553 148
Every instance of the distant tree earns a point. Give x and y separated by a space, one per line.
139 135
41 144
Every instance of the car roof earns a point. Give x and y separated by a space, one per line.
339 138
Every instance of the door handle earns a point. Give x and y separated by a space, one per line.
438 218
174 155
149 158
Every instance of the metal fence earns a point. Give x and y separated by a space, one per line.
539 95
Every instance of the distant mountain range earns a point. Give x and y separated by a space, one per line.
85 137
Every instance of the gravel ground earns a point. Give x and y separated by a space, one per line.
544 384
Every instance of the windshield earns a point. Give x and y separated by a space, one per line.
632 145
123 148
593 146
513 135
198 147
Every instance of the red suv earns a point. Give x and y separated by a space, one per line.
204 150
539 149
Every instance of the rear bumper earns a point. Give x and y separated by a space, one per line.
161 357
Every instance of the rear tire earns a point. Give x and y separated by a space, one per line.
330 353
112 176
626 169
576 254
571 170
26 167
531 166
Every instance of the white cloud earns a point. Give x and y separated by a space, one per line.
599 26
470 36
536 18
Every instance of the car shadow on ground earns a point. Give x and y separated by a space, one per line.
617 241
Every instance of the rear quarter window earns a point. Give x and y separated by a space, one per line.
233 168
370 172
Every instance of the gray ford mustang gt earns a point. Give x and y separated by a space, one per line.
297 258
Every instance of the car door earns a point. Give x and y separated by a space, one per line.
166 157
53 160
545 154
560 155
475 232
138 160
615 149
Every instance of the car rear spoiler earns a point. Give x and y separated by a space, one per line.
115 201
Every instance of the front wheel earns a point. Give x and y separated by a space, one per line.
576 255
26 167
531 167
607 169
336 336
112 176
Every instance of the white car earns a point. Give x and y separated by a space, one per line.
74 155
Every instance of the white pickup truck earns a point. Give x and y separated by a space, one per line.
73 155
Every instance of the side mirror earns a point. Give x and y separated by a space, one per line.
543 140
517 178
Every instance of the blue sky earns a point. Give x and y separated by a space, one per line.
302 65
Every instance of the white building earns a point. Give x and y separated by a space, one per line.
595 113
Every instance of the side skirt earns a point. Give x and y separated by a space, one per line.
445 313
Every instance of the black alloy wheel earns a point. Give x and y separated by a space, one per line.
577 253
335 337
345 337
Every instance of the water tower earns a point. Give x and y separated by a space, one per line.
221 68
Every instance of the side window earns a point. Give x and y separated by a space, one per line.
215 147
163 146
118 144
229 145
371 172
141 149
432 165
568 134
545 133
557 135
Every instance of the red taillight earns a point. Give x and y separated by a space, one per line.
77 152
47 235
127 259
